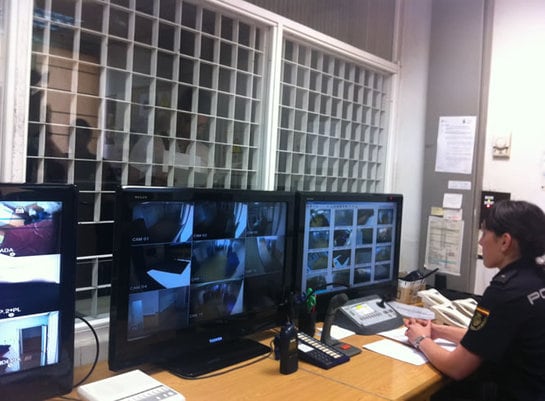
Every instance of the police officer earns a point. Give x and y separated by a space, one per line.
501 355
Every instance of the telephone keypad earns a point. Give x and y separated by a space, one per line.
318 353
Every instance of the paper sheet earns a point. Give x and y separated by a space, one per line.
396 335
398 351
339 333
455 144
444 245
399 335
412 311
396 345
452 201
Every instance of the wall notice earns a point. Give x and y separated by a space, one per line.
444 245
455 144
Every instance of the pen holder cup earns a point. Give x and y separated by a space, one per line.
307 321
407 291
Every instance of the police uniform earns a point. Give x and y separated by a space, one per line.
508 332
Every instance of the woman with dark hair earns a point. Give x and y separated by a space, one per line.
501 355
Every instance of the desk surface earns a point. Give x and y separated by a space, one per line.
367 376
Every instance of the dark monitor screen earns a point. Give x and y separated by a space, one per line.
348 243
195 269
37 289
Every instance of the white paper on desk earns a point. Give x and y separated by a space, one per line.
339 333
396 334
398 351
399 336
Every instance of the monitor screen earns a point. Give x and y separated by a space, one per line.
195 269
37 287
347 242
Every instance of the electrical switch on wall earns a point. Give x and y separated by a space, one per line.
501 146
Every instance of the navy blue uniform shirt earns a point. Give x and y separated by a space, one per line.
508 331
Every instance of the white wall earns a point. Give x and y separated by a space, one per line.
409 127
516 105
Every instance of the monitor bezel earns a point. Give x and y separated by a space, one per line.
386 289
56 379
171 345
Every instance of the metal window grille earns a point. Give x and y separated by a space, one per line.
332 122
142 93
174 92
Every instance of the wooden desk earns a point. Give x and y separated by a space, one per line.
367 377
388 378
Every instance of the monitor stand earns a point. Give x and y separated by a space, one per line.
216 357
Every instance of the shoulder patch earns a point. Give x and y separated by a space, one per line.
479 319
503 278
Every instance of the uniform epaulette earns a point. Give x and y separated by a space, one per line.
504 278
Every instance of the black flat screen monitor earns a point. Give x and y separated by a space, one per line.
37 289
195 272
347 242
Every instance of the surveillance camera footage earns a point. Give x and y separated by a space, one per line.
348 243
30 265
193 260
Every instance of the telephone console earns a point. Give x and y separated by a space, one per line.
448 314
467 306
368 315
432 297
318 353
455 313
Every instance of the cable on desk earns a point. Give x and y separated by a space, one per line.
80 316
262 358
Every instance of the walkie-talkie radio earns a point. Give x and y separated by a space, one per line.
287 343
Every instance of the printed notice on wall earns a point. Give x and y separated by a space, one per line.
444 245
455 144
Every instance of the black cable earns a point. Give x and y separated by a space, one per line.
80 316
